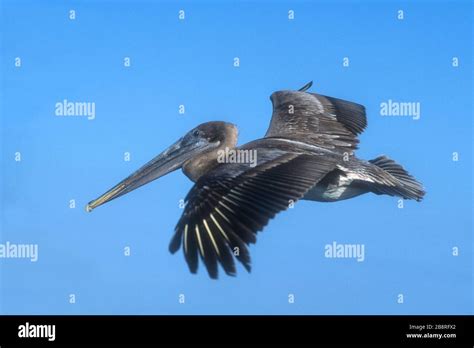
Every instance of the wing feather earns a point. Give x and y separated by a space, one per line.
317 119
223 213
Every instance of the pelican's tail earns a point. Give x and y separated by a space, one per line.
404 186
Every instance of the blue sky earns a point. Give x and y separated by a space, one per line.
189 62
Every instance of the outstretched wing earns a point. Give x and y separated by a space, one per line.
316 119
226 208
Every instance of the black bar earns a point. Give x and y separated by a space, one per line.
136 330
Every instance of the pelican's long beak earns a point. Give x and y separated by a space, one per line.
169 160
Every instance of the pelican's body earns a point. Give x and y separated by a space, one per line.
307 153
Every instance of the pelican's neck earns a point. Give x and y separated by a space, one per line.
205 162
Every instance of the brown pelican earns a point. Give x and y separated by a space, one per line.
307 153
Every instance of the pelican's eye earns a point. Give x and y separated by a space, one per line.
196 133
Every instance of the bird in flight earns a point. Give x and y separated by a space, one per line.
307 153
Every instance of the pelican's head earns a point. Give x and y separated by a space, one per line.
205 138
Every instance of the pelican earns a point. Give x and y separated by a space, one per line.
307 153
